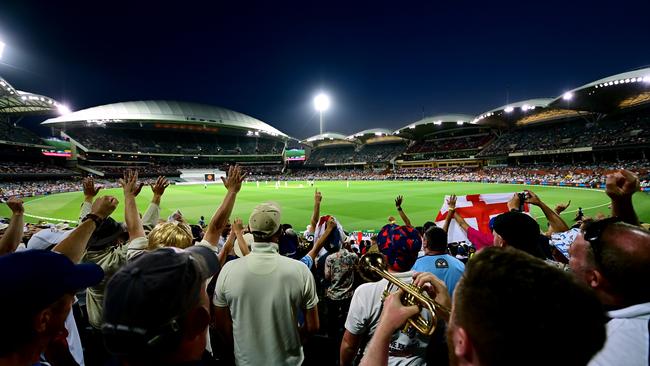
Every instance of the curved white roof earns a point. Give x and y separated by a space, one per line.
464 118
634 76
326 136
13 101
372 131
524 105
166 111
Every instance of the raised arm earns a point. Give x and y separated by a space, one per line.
461 221
331 225
620 187
218 222
152 214
238 228
131 189
557 224
90 191
402 214
74 245
227 246
14 233
318 197
451 211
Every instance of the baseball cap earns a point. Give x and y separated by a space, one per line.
47 239
519 231
106 234
34 279
265 219
248 238
400 245
147 298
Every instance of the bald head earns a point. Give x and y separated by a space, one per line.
625 262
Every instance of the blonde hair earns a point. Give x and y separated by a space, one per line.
170 234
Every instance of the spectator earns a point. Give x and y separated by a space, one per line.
258 297
157 308
437 261
400 245
507 305
38 289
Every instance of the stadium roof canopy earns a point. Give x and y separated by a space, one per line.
609 94
16 102
165 111
523 113
429 125
374 135
326 138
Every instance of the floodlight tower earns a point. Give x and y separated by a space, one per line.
321 103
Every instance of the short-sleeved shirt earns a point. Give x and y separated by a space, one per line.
264 292
339 269
443 266
363 317
478 239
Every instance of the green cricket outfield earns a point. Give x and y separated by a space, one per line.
364 205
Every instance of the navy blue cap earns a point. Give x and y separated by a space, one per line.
32 280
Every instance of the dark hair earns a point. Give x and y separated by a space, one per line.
436 239
511 304
428 225
625 270
519 231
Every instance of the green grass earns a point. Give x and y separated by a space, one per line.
363 206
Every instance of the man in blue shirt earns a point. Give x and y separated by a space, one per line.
437 261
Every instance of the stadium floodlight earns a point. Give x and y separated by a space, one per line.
646 79
508 109
63 109
2 48
567 96
460 122
321 103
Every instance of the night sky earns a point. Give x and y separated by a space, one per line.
385 64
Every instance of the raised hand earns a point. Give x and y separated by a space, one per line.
104 206
16 206
158 188
130 183
621 184
331 225
237 226
234 179
451 202
398 201
561 207
532 198
90 190
514 202
318 197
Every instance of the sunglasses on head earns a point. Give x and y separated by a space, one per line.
593 233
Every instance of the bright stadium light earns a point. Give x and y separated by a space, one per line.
508 109
63 109
2 48
321 103
567 96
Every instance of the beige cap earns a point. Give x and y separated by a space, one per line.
265 219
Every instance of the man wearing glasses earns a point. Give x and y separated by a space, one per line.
612 256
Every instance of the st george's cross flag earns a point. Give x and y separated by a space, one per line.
477 210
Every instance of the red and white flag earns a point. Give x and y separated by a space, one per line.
477 210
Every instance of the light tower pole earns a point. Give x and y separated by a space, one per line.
321 103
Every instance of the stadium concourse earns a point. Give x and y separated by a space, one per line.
278 295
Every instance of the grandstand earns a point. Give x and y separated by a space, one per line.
368 147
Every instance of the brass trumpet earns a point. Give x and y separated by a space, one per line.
372 267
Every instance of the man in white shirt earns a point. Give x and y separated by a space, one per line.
258 298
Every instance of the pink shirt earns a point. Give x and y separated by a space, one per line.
479 239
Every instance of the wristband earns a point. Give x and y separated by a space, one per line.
98 221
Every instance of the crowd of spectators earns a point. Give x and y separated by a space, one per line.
15 167
347 154
607 133
13 133
229 291
172 142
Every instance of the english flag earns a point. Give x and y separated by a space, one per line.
477 210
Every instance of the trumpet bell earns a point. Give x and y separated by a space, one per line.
371 266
